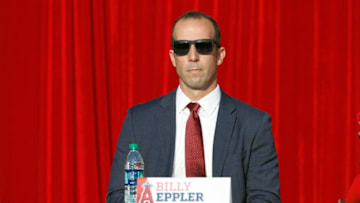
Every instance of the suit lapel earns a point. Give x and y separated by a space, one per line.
167 128
223 132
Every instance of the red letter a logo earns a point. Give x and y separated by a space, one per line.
146 196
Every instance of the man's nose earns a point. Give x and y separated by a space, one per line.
193 54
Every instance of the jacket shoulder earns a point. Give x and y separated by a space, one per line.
154 104
245 110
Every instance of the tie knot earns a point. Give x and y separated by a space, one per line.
193 106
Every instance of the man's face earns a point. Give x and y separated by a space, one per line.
196 71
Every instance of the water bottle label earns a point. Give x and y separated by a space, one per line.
126 177
132 175
140 173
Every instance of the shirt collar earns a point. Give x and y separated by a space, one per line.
207 103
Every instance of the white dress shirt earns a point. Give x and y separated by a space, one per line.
208 112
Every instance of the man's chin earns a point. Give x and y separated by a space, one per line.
197 86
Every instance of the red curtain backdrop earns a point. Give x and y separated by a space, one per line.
70 69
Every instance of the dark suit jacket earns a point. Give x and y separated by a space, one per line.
243 148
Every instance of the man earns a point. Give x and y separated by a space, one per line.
198 130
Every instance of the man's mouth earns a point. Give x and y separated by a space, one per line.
194 69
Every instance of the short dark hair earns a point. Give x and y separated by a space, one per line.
198 15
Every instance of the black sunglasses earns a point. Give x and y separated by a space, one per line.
203 46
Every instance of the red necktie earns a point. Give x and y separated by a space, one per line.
194 149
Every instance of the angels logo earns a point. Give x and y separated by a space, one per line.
146 196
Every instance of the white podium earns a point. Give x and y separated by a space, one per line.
205 190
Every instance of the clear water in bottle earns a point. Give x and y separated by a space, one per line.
134 168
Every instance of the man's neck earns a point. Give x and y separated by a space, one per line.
197 94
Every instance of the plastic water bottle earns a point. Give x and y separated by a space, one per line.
134 168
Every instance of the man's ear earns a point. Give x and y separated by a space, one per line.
172 57
221 53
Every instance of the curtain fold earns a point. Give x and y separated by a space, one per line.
70 69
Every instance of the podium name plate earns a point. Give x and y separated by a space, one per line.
205 190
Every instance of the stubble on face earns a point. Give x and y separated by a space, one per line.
196 77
